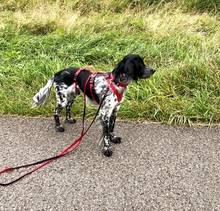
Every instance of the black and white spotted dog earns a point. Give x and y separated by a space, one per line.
111 86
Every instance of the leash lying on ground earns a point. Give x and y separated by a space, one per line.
69 149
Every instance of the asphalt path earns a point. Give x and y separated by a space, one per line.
156 167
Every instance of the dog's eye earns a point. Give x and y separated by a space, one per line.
123 74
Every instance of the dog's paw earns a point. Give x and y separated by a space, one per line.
116 140
60 128
107 151
70 121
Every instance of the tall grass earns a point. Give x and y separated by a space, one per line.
181 39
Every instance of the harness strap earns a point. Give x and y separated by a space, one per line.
79 70
76 75
119 83
109 77
114 89
91 86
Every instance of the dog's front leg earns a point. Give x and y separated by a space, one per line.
107 150
106 113
113 138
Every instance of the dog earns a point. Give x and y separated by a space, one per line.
105 88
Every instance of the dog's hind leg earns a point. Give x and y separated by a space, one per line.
71 92
62 100
69 119
57 111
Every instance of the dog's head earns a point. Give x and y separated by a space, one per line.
132 67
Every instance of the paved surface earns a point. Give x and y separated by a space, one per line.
156 167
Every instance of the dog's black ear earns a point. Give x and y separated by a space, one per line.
131 70
120 68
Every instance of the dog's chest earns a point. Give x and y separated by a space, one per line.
102 86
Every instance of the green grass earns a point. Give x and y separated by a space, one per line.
181 39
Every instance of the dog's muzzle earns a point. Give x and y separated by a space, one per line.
148 72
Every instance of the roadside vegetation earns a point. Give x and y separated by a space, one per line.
180 39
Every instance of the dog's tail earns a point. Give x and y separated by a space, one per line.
43 95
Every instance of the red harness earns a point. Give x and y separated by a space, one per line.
113 87
109 77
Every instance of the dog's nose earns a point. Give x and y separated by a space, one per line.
151 70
